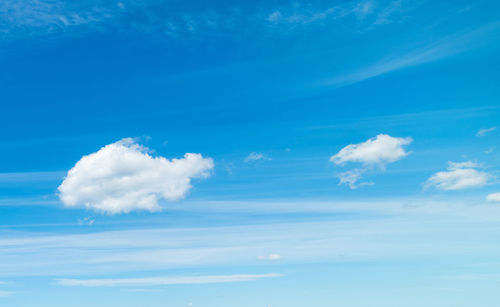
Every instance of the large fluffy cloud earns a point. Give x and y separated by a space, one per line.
379 150
122 177
459 176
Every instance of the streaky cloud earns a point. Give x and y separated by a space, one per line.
164 280
433 51
485 131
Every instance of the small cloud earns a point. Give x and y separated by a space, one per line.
86 221
5 293
272 257
494 197
274 17
120 5
379 150
123 176
256 156
483 132
458 176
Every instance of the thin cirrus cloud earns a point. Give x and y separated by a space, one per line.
122 177
379 230
431 51
159 281
459 176
25 17
375 152
52 16
485 131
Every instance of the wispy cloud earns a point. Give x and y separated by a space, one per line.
375 230
256 156
88 220
165 280
394 8
351 178
40 200
299 14
445 47
483 132
29 17
168 19
272 257
31 176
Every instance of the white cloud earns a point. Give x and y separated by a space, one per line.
157 281
483 132
5 293
494 197
256 156
122 177
272 257
379 150
459 176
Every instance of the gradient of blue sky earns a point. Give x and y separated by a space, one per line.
269 90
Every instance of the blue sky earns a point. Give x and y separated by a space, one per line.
249 153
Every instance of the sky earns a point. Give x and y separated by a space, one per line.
249 153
